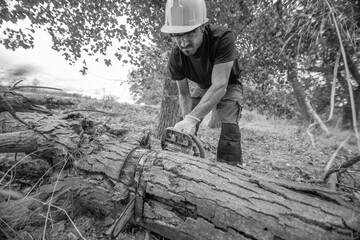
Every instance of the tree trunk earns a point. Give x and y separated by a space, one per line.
307 111
170 109
178 196
299 94
189 198
347 120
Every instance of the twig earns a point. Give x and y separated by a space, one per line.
346 186
332 159
87 110
52 196
12 178
107 121
42 178
18 82
343 166
351 162
14 166
311 136
69 220
51 88
12 111
63 210
9 228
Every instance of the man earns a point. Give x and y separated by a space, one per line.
206 55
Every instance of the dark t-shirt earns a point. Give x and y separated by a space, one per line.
218 46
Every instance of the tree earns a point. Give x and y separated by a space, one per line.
270 35
147 80
284 32
320 33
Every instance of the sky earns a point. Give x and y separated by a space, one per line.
52 70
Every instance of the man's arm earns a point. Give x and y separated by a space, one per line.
184 96
220 78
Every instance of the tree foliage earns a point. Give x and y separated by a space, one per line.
299 35
147 80
80 28
273 37
318 29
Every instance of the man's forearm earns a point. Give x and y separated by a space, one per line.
217 90
208 102
185 102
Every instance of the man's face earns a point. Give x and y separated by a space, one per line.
189 42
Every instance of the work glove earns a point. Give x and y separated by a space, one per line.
187 125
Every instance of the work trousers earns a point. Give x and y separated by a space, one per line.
229 111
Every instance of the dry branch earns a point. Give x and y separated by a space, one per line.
30 102
343 166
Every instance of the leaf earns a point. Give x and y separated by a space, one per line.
107 62
84 70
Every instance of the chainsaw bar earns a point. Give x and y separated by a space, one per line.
123 219
175 141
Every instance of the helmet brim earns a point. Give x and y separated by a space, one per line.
181 29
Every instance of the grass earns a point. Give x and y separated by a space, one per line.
256 121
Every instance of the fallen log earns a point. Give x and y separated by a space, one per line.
31 102
180 196
215 201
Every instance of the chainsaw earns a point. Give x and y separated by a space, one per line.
176 141
171 140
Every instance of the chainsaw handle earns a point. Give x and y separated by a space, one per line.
199 145
195 140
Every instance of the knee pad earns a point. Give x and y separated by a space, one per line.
229 147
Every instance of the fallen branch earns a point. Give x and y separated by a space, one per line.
332 160
36 87
89 110
8 107
343 166
16 83
30 102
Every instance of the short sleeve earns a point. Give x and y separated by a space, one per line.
226 49
175 67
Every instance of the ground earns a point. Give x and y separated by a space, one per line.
276 148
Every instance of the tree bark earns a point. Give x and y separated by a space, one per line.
299 94
178 196
188 198
170 109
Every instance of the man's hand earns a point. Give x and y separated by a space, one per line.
187 125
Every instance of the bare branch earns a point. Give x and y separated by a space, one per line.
343 166
18 82
19 87
8 107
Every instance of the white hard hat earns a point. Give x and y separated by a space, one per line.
184 15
